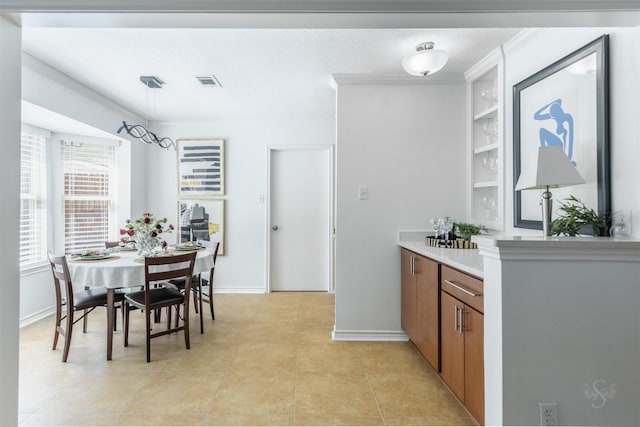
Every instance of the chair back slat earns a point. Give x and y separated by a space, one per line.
60 271
172 267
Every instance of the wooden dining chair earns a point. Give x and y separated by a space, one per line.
86 301
109 245
157 271
198 285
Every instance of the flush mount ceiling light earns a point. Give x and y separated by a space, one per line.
425 60
140 132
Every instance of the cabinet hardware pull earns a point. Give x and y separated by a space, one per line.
455 317
461 321
466 291
413 265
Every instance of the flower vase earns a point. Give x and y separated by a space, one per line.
145 244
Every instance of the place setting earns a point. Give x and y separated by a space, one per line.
93 255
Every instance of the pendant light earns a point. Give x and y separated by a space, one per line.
141 132
425 60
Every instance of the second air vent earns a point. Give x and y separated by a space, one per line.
209 81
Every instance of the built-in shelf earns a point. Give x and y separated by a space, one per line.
485 184
485 148
486 113
485 141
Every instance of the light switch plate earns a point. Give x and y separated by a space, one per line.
363 192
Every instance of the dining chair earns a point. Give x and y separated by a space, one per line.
86 300
158 270
109 245
198 284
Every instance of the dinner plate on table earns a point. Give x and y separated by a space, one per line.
192 247
93 257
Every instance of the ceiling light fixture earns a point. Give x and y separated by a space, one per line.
425 60
141 132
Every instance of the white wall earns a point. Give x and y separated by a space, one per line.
562 319
48 88
10 40
407 144
242 268
546 46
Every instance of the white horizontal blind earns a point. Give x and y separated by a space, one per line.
33 203
88 194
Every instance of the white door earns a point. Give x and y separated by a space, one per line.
300 226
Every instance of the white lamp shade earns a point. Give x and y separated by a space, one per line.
425 62
552 169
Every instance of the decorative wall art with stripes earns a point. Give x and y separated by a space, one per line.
200 167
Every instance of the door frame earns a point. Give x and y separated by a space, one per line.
330 150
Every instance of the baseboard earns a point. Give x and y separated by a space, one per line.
34 317
369 335
237 290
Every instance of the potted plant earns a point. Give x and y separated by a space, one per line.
576 218
465 231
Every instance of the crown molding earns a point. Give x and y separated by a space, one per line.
321 6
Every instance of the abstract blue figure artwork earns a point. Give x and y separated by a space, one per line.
565 105
563 134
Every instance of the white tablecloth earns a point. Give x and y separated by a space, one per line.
124 271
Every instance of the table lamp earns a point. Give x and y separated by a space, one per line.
552 169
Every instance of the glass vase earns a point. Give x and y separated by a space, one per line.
145 244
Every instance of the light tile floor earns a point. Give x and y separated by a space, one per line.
265 360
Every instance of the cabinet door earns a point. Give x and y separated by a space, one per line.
408 295
452 344
474 363
427 310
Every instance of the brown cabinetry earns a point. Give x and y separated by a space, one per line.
420 304
462 339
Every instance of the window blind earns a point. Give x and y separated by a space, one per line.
33 203
89 195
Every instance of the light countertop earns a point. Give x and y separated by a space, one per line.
466 260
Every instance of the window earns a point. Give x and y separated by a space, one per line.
33 203
89 194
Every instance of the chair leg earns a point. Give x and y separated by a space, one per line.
67 336
84 322
148 334
115 317
125 313
187 342
200 311
56 333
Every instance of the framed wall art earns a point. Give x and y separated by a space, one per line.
201 220
200 167
567 105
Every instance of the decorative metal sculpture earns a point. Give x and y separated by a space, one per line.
140 132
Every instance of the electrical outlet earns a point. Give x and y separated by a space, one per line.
548 413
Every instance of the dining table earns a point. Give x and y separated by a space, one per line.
121 268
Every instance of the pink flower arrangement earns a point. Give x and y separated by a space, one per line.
147 226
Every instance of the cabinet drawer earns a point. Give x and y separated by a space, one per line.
462 286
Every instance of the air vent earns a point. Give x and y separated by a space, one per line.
209 81
152 82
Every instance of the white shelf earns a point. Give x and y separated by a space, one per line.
485 184
485 153
486 113
485 148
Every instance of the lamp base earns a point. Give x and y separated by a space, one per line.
547 206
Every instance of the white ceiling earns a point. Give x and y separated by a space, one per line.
275 72
273 57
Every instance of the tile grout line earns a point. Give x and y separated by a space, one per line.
295 376
375 397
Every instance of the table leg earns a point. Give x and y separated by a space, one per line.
110 320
